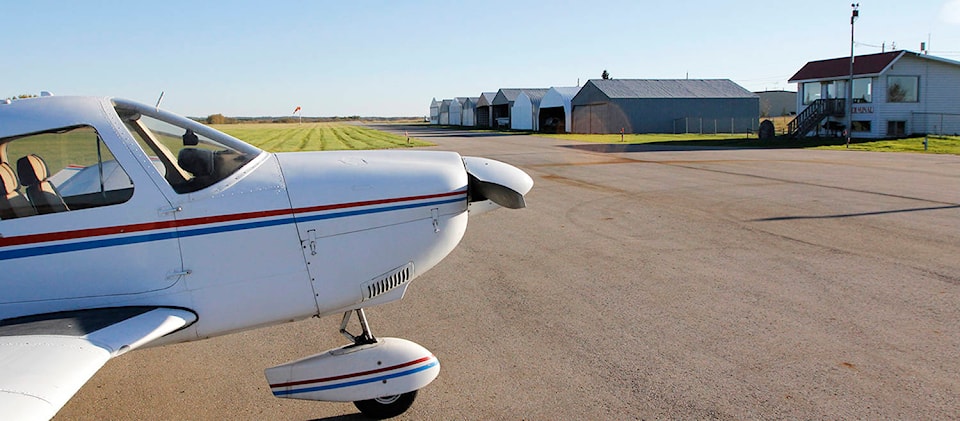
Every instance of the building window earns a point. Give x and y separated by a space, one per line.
896 128
863 90
837 89
811 92
860 126
903 88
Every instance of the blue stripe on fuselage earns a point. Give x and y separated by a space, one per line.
172 234
356 382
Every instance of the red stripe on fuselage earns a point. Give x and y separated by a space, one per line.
150 226
347 376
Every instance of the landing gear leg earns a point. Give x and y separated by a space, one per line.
384 406
365 337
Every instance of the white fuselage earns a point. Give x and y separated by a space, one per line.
286 237
122 225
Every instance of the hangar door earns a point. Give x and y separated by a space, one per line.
483 116
553 120
588 118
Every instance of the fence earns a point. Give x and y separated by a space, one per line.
700 125
941 124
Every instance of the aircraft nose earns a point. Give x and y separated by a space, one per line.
496 181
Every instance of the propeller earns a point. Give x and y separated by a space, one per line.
497 182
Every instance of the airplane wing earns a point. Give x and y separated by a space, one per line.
45 359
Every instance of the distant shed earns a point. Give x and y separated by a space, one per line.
434 111
445 112
664 106
485 109
501 107
469 114
556 109
525 113
456 112
503 103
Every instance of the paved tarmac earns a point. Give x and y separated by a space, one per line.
641 283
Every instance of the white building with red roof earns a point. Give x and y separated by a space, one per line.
895 94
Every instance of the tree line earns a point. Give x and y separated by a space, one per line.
221 119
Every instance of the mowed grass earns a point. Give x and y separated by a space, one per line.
935 145
292 137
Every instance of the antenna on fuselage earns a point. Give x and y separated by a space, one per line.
158 100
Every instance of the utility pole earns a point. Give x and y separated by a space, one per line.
853 18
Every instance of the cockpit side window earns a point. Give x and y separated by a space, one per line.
189 161
58 171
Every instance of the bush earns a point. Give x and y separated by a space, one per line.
220 119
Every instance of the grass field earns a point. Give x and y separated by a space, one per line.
294 137
936 145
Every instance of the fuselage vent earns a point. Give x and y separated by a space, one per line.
387 282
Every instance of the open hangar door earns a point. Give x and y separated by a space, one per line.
552 120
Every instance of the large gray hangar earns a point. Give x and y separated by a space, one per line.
664 106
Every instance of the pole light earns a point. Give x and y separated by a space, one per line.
853 18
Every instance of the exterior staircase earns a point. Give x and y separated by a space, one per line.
810 118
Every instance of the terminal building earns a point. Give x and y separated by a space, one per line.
896 93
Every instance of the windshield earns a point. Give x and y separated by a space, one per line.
192 156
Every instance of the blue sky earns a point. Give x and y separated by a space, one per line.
390 58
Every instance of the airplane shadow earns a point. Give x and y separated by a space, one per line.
351 417
713 145
638 147
851 215
485 134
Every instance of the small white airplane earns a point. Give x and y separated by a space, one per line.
124 226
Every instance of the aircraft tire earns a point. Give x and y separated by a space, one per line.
386 406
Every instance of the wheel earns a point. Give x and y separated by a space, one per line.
386 406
